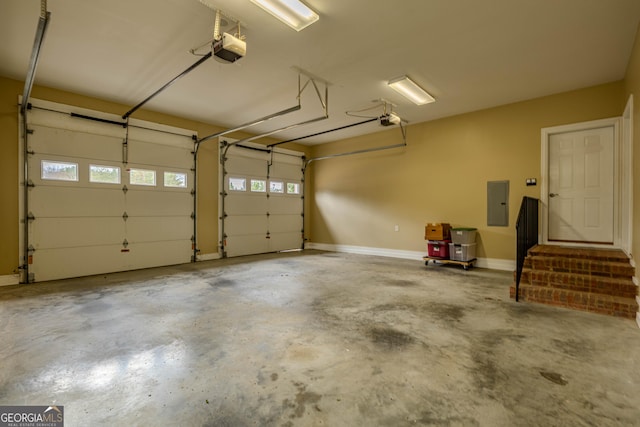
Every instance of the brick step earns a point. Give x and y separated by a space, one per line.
622 287
612 255
580 266
584 301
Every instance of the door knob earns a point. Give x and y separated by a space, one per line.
553 194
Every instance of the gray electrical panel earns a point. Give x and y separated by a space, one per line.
498 203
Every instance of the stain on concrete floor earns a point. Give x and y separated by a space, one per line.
311 339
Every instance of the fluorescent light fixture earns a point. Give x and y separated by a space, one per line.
292 12
407 88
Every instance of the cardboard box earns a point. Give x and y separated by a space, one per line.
438 249
437 231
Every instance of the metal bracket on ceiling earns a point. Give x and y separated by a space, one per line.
310 79
314 80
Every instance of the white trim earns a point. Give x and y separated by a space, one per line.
626 178
491 263
208 257
21 179
546 133
9 279
364 250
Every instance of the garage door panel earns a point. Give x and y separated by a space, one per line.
252 216
286 171
280 223
80 145
284 205
246 167
156 254
52 233
245 205
158 203
246 245
58 201
79 228
143 134
285 241
54 120
159 155
243 225
52 264
147 229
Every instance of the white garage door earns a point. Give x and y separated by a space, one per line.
94 213
262 200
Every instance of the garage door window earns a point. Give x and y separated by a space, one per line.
259 186
276 187
175 179
59 171
237 184
142 177
104 174
293 188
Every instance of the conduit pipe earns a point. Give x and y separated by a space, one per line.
43 23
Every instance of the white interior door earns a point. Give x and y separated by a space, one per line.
261 201
581 186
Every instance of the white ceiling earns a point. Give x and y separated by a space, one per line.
468 54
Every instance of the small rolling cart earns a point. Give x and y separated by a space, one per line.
450 245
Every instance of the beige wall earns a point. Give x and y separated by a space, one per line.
207 164
632 87
441 176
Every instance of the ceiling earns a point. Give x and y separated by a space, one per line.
468 54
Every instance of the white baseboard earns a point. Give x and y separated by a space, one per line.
491 263
9 279
208 257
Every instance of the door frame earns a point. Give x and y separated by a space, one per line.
622 180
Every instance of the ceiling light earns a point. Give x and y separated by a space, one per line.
292 12
406 87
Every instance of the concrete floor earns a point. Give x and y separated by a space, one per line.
312 339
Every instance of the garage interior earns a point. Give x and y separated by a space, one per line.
211 218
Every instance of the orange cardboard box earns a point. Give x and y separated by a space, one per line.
437 231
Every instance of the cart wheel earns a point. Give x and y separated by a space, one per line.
426 262
466 267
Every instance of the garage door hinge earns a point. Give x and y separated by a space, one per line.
125 243
125 216
193 215
30 131
30 216
31 249
268 214
193 192
124 189
224 194
30 183
31 152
